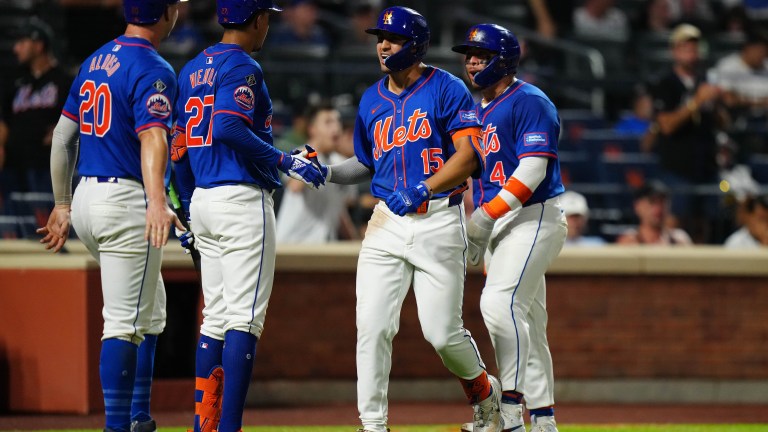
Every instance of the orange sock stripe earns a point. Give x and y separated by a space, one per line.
477 389
518 189
496 207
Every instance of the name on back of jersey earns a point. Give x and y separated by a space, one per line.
202 76
417 127
108 63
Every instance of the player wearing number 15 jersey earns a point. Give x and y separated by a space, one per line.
119 107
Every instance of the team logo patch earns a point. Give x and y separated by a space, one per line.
159 106
468 116
388 18
159 85
535 138
268 122
250 80
244 97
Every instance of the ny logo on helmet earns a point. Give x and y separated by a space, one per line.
388 18
476 35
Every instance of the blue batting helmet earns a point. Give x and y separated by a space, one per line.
499 40
240 11
145 11
409 24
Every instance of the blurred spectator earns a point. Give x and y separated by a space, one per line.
735 178
186 40
315 216
687 119
743 75
755 10
299 26
600 19
363 16
697 12
29 110
657 17
652 210
576 212
639 119
753 215
552 18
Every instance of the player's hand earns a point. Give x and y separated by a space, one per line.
310 154
479 230
301 169
160 218
409 199
187 239
56 231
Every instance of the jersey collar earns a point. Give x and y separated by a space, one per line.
222 48
408 90
134 41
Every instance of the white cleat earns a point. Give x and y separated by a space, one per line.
512 417
487 417
543 424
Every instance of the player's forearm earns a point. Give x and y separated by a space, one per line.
154 160
64 146
234 133
455 170
351 171
518 189
184 180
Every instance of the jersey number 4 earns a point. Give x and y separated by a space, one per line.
497 174
196 108
95 109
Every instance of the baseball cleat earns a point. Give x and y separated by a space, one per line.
543 424
487 417
145 426
512 417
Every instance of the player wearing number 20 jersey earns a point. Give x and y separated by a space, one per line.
119 113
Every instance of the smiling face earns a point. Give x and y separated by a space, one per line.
388 44
475 60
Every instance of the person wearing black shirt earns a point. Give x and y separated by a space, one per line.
686 124
29 109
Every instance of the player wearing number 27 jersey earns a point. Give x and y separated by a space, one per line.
119 113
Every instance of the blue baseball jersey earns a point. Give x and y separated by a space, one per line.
522 122
406 138
221 83
123 88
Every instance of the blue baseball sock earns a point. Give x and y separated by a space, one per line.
239 352
207 357
543 412
117 368
142 389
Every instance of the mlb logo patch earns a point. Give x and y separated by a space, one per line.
535 139
209 60
268 122
159 106
116 48
468 116
244 97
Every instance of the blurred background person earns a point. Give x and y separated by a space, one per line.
743 75
753 215
576 212
299 26
651 206
600 19
637 121
31 106
316 216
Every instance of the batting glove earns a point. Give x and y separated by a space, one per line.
311 155
409 199
479 230
187 239
300 168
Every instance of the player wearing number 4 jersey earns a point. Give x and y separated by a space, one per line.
518 217
417 135
120 109
227 168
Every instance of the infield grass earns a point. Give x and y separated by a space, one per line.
455 428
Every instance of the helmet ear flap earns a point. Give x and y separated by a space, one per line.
499 67
407 56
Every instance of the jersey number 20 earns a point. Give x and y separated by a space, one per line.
99 101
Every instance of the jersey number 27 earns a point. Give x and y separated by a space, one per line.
195 109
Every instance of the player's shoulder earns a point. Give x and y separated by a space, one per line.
528 94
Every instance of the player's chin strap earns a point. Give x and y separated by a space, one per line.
208 411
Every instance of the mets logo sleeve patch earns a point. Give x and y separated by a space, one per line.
156 111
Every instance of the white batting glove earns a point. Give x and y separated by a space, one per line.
479 230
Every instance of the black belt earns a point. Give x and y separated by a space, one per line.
453 200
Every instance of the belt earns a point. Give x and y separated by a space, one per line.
453 200
100 179
530 203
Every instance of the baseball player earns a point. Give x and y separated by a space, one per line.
417 136
119 107
518 222
225 157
